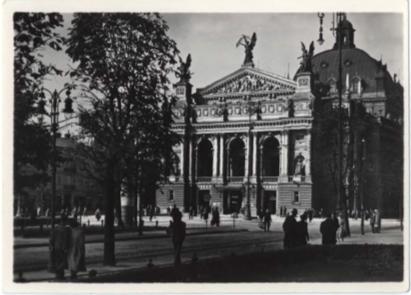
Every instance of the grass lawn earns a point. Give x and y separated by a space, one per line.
342 263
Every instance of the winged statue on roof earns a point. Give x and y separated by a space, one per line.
183 71
248 43
305 64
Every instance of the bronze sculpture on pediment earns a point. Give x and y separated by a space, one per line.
248 44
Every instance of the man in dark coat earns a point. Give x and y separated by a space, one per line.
178 229
328 229
289 227
174 211
302 231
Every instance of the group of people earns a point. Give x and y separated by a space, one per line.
67 248
215 214
295 232
152 211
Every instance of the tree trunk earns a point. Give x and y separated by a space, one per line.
109 237
118 205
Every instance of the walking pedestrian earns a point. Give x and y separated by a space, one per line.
178 229
310 214
190 213
77 250
97 214
267 220
372 221
342 233
377 221
215 220
289 228
302 231
174 211
328 229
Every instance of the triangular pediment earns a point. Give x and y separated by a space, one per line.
248 79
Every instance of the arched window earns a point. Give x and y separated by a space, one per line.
271 157
237 157
356 85
205 158
333 85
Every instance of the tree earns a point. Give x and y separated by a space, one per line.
123 63
33 32
327 154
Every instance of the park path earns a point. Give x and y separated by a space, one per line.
135 253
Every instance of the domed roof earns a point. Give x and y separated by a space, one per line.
356 62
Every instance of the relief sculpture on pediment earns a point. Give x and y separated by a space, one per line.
246 83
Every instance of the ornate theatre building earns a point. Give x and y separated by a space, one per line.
254 140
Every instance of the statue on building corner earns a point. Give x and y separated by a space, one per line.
299 168
183 72
305 65
248 44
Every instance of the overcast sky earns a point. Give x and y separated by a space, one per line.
211 39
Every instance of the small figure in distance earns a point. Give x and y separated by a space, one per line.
267 220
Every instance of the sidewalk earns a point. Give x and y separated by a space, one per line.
390 234
20 242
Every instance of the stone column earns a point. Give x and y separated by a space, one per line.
182 159
284 154
190 159
308 158
222 148
215 155
254 172
246 157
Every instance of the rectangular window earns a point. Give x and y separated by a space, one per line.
171 195
296 197
180 90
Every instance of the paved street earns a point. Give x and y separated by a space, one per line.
134 253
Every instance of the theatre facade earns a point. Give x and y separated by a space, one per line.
247 140
251 140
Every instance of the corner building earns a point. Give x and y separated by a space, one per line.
248 139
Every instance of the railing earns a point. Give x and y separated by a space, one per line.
296 178
270 178
264 179
204 178
236 178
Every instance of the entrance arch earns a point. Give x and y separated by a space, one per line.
205 158
237 157
271 157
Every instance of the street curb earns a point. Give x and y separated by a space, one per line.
143 237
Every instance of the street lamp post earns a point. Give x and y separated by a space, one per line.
54 127
251 109
362 184
341 198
